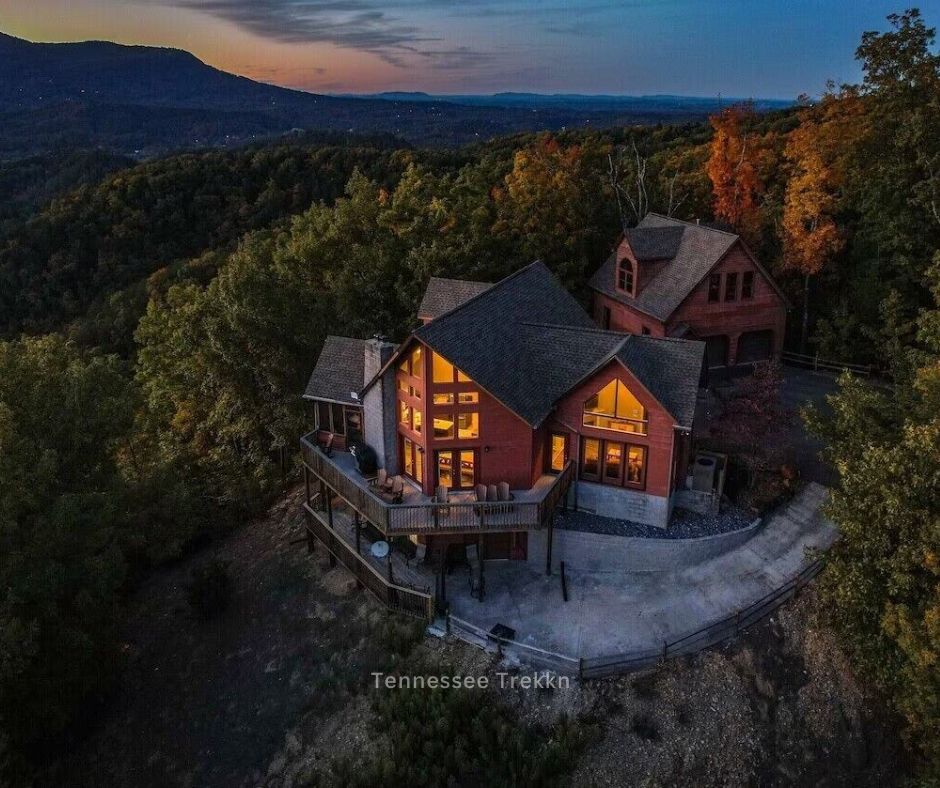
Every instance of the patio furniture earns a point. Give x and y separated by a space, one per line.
327 446
480 492
442 495
503 495
381 478
491 494
398 490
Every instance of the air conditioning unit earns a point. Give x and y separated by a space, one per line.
707 471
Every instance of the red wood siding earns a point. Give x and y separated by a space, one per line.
765 311
505 449
623 318
658 442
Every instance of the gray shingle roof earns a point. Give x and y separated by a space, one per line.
483 339
445 295
669 369
699 248
339 370
654 243
528 343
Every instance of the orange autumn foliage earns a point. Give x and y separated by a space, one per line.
734 167
816 153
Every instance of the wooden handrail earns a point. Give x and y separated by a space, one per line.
431 516
398 597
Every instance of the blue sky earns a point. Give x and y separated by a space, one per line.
760 48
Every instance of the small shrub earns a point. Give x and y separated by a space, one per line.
645 728
210 589
644 686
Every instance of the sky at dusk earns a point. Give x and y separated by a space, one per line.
740 48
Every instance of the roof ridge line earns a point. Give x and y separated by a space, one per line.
586 329
493 285
467 281
687 223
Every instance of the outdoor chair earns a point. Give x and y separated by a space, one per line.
381 478
442 495
327 446
480 491
398 490
503 494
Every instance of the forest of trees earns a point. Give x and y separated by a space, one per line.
160 321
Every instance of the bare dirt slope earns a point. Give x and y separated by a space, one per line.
277 689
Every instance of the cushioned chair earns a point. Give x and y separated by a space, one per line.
503 495
398 489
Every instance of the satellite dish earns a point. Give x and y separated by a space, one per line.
380 549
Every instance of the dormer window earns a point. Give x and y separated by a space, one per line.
625 275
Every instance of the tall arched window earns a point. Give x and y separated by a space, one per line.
625 275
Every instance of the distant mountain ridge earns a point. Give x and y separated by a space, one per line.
661 101
145 101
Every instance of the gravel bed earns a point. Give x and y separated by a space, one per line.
684 525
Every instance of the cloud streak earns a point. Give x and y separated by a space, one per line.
362 25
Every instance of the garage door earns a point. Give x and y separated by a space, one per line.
755 346
716 351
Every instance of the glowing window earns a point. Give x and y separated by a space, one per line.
443 425
442 369
615 408
468 425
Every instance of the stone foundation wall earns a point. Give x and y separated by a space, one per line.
624 504
588 552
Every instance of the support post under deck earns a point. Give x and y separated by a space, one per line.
548 552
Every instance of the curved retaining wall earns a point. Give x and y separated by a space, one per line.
589 552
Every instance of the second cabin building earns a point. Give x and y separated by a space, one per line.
669 278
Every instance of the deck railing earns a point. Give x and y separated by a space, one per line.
397 597
428 517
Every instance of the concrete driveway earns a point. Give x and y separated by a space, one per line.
616 612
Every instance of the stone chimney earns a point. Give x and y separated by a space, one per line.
378 403
377 354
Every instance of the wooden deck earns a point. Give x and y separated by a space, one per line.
419 514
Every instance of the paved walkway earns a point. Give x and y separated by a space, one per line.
612 613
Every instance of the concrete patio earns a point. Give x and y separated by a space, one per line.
616 612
